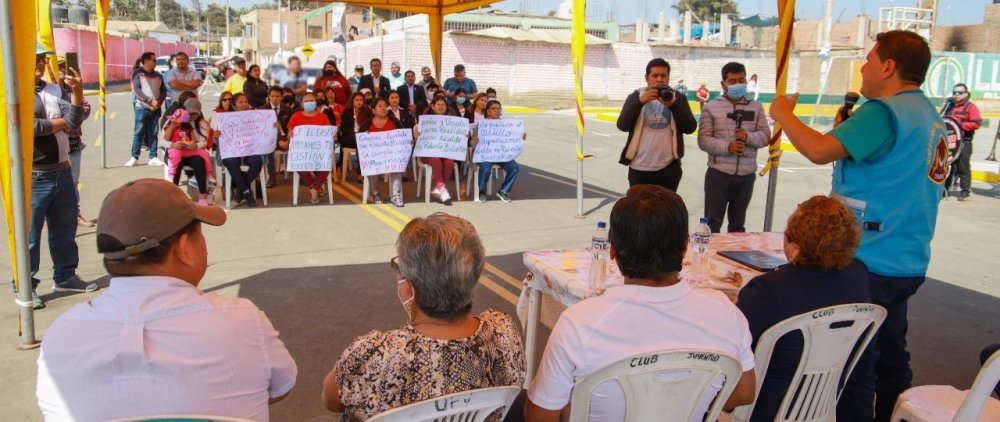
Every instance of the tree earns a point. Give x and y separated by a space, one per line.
706 9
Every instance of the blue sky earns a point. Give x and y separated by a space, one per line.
950 12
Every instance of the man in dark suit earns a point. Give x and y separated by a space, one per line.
411 95
378 84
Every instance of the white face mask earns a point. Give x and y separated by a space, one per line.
406 303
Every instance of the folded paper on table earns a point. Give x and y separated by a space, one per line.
384 152
443 136
500 141
246 133
311 148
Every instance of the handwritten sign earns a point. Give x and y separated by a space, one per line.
246 133
500 141
443 136
311 148
384 152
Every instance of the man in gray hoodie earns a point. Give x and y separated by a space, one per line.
731 130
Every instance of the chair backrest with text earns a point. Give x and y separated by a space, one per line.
467 406
832 339
662 386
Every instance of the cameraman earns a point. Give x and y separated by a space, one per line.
731 130
655 118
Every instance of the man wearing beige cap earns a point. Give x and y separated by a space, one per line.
154 343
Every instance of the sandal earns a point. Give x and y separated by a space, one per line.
313 196
376 199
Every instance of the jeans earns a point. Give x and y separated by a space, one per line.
146 129
54 200
962 168
510 167
727 191
74 166
241 180
892 361
669 177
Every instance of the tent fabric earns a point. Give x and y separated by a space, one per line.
759 21
316 12
554 36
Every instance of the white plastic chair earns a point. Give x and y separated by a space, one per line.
253 186
946 403
346 164
661 386
472 184
366 187
467 406
296 187
424 173
281 162
183 418
829 335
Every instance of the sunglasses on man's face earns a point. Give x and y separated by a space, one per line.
957 92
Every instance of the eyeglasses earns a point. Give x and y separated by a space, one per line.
394 263
957 92
226 99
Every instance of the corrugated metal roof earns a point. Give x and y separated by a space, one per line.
138 26
555 36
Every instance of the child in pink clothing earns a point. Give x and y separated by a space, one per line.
183 145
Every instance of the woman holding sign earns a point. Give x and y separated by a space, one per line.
382 121
254 162
309 116
441 168
492 112
350 121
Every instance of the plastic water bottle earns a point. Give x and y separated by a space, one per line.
700 241
600 249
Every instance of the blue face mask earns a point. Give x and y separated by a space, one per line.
736 91
461 100
309 106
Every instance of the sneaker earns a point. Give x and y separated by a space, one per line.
251 201
83 222
481 197
445 197
36 300
154 162
75 284
436 192
131 162
503 196
397 201
964 198
377 199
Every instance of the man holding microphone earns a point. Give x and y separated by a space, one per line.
890 162
731 130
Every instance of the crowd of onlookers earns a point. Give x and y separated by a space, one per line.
370 102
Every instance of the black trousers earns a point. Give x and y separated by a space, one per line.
668 177
962 169
727 192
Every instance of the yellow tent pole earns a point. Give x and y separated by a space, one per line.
44 20
786 13
579 48
103 7
436 33
17 65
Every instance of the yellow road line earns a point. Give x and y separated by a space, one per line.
97 142
113 114
373 210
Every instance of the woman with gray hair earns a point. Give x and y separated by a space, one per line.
443 349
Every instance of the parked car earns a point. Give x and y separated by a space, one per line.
202 65
162 64
273 71
312 73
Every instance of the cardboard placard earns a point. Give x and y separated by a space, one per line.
246 133
500 141
443 136
384 152
311 148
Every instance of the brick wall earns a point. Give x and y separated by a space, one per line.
540 74
121 52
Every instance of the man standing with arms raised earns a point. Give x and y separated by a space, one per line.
890 161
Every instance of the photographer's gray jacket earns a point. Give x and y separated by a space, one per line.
717 129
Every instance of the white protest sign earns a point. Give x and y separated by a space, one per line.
246 133
443 136
311 148
500 141
384 152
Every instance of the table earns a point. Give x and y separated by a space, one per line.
563 276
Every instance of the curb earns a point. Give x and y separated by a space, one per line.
111 90
522 110
608 117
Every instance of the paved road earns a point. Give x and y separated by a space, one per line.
321 274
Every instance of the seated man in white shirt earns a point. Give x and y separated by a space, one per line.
153 343
655 310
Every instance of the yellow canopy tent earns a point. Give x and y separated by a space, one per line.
435 11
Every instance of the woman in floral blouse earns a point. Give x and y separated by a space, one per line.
443 349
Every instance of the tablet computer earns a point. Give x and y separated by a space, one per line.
760 261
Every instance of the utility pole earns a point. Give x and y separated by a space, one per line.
197 24
229 46
281 31
156 10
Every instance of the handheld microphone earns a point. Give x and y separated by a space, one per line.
850 99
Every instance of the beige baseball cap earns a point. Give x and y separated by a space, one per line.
144 212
